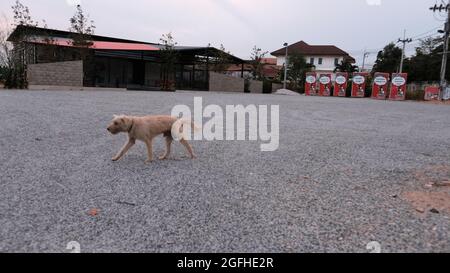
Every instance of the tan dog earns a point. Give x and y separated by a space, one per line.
146 129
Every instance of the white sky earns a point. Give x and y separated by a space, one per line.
240 24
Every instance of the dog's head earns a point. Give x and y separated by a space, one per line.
120 124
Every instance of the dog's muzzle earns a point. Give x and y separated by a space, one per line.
112 131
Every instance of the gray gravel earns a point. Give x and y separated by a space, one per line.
329 188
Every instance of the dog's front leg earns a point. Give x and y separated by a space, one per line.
149 144
188 148
124 150
167 152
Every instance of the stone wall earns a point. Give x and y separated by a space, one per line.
256 86
224 83
56 74
276 87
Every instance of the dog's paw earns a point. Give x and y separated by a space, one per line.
114 159
148 161
193 157
163 157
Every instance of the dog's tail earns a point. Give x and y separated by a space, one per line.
182 128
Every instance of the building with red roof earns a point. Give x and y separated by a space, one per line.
323 57
118 63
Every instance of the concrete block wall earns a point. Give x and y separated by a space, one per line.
276 87
56 74
221 82
256 86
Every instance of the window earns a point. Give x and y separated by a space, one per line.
311 61
320 61
336 61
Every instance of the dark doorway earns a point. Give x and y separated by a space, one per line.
139 73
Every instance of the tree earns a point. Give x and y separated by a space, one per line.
346 66
6 49
169 58
425 65
5 46
82 27
256 63
297 69
222 60
388 60
22 15
17 56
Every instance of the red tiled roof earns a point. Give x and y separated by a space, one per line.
238 67
100 44
306 49
123 46
269 61
269 70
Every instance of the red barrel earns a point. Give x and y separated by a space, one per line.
380 86
340 84
325 85
359 84
311 84
398 86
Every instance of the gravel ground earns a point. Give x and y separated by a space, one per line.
334 185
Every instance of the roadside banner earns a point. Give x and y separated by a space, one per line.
398 86
340 84
380 86
325 85
359 84
432 93
311 84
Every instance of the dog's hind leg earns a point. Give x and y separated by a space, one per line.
149 144
166 154
188 148
124 150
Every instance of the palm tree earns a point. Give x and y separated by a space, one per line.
346 66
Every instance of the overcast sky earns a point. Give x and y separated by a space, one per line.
351 25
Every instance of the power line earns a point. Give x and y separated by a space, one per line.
425 33
441 8
404 41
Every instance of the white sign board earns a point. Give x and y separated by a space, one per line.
380 81
311 79
398 81
340 80
325 80
359 79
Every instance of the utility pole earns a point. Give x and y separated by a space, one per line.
285 66
404 41
365 55
446 32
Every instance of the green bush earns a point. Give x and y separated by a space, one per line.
247 86
415 95
3 71
15 78
267 86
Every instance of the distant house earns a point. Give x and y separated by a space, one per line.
325 58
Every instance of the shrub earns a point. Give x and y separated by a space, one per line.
15 78
3 71
267 86
247 85
415 95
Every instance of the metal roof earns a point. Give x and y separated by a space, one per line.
64 38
